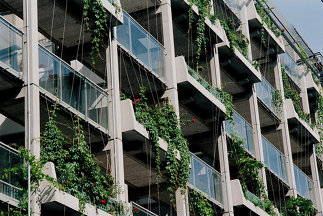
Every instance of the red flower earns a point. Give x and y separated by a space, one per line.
308 117
103 201
193 120
136 209
283 30
66 181
94 184
134 102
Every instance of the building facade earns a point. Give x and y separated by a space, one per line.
193 107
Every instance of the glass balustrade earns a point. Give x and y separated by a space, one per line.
138 210
9 158
136 40
206 179
275 161
304 185
234 6
72 88
242 129
11 46
290 67
266 93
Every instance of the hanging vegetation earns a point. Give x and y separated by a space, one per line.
199 205
162 122
299 207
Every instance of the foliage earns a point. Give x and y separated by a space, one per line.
76 168
319 123
96 21
236 38
263 13
277 100
292 94
162 122
299 207
204 9
248 172
199 205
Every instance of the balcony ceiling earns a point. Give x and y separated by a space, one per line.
133 6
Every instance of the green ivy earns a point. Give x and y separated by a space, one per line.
199 205
248 172
263 13
97 23
292 94
236 38
299 207
277 100
162 122
319 123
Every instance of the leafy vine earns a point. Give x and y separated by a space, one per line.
299 207
199 205
162 122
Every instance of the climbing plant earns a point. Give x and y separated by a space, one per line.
97 23
248 172
236 38
277 100
299 207
291 93
199 205
319 123
161 121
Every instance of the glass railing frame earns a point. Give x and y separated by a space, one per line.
237 14
253 152
310 192
289 70
87 82
260 87
144 210
150 36
21 34
219 202
284 162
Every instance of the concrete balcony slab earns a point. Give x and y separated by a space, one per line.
195 97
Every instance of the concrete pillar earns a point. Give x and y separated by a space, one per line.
115 129
285 133
303 93
31 89
257 139
225 173
182 206
244 24
316 181
215 67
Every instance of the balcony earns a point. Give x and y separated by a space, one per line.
138 210
10 190
274 160
237 65
290 67
234 6
142 46
77 93
11 56
300 129
198 96
304 185
267 96
241 128
206 180
271 34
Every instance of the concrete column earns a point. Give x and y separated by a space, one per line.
115 129
255 122
225 173
31 89
316 181
182 206
285 133
303 93
244 24
215 67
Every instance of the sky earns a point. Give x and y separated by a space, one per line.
307 18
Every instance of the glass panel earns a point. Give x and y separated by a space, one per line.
11 46
49 72
304 185
138 210
290 66
62 81
242 129
274 159
265 93
142 45
205 178
234 6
